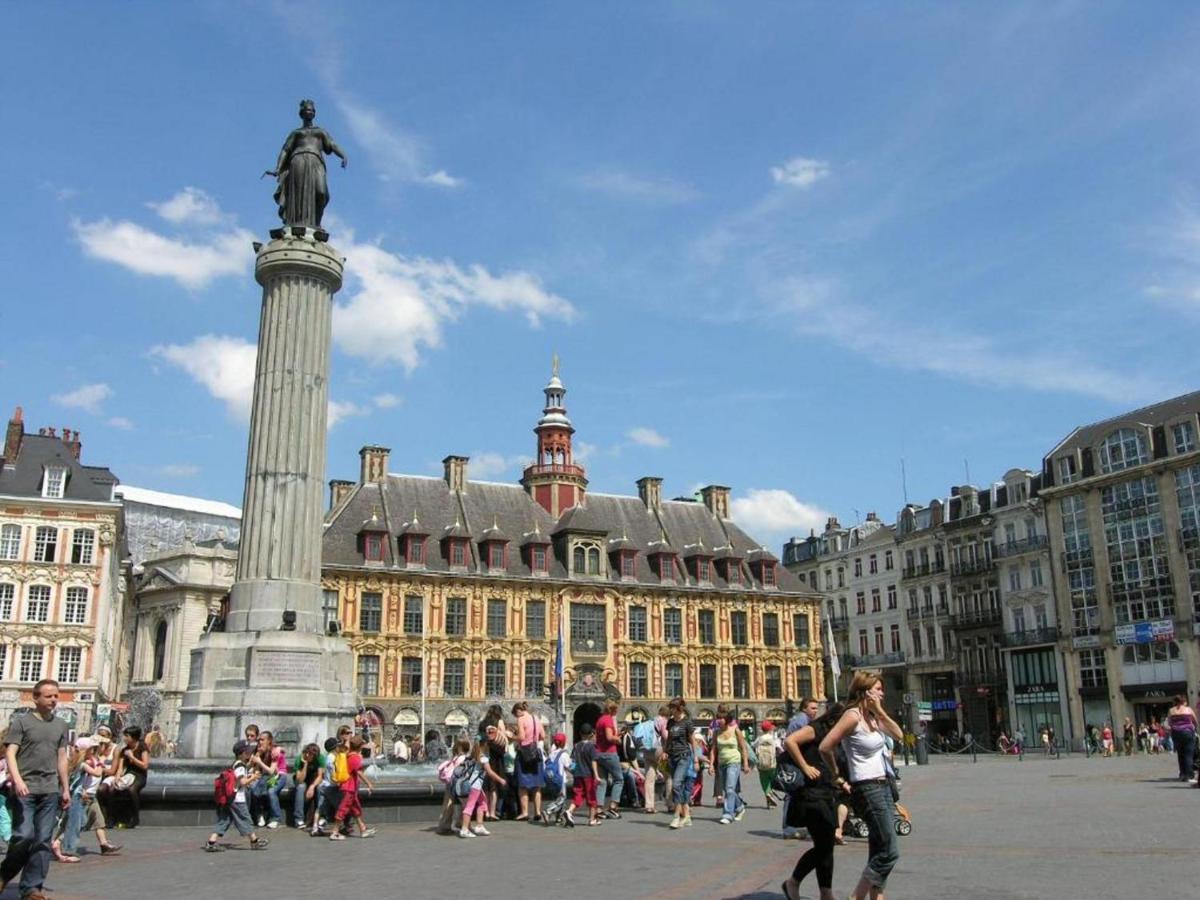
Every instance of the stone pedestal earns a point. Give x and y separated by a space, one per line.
255 671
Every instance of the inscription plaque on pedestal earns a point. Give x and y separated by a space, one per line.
285 668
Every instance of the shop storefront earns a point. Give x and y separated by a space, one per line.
1036 698
939 689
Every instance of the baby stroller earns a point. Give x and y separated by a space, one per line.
856 827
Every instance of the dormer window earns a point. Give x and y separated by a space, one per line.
539 558
768 574
414 550
703 567
627 564
585 559
666 567
373 547
495 555
54 482
733 572
458 553
1123 449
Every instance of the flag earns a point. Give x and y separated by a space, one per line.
559 661
834 666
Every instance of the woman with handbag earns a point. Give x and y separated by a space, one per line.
861 730
122 802
531 770
812 803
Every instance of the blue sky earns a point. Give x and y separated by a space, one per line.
779 250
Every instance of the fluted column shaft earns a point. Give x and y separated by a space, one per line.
279 559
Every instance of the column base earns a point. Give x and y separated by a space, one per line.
295 684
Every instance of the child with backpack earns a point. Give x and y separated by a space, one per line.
452 804
583 765
350 807
230 795
469 780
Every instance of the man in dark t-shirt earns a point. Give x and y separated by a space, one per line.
36 751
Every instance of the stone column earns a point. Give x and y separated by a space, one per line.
296 681
279 557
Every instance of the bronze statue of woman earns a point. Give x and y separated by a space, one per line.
303 193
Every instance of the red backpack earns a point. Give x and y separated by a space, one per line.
225 787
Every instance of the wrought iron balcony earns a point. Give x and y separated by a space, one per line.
875 660
839 623
926 612
1032 636
1025 545
928 568
976 619
973 567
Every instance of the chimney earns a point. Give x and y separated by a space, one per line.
872 517
936 514
456 472
374 463
338 489
12 437
716 499
73 441
832 524
650 490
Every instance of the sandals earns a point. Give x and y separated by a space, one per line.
788 894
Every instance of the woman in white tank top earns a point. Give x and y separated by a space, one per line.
861 732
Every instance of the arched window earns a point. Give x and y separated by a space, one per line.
10 541
160 650
593 561
580 560
1122 449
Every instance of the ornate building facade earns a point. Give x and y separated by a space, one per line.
455 594
60 590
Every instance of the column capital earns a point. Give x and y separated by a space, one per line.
291 254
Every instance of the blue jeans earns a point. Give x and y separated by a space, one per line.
878 809
271 792
734 804
609 764
298 802
682 781
29 851
74 825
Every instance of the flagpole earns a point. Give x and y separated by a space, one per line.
835 667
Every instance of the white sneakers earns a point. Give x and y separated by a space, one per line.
725 820
675 822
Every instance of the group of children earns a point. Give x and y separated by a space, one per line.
327 790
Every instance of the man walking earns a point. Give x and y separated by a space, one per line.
36 751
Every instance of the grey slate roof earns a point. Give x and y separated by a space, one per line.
1155 414
510 509
22 477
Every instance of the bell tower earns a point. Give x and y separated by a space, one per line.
554 481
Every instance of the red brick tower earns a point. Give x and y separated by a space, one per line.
554 481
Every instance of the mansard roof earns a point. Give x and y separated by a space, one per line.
509 509
22 477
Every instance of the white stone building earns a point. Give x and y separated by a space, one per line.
60 586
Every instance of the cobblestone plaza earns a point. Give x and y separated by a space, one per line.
996 829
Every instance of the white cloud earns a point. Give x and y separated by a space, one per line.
441 178
485 464
387 401
647 437
402 303
223 365
583 451
396 156
776 511
625 184
179 470
88 397
800 172
816 309
344 409
120 422
190 206
193 263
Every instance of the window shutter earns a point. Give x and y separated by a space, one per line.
1089 467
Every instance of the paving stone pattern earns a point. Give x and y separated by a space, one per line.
998 829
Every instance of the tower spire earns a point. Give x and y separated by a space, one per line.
554 480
